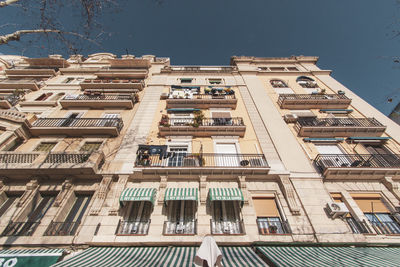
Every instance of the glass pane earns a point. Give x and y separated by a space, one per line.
91 146
45 146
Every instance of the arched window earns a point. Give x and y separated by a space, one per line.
309 85
280 87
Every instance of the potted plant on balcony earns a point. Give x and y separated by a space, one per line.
273 229
198 118
164 121
136 97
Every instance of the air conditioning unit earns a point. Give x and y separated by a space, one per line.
289 118
337 209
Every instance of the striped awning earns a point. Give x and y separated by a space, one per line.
225 194
366 139
132 256
29 257
181 194
332 256
240 257
322 139
138 194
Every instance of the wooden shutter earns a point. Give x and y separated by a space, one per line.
370 203
337 197
265 207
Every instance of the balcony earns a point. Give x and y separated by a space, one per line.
361 166
313 101
133 227
227 227
36 73
62 228
386 228
99 101
266 226
203 101
9 101
358 227
339 127
10 85
109 85
17 164
77 126
205 128
180 228
20 228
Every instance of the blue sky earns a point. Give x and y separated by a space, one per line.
353 38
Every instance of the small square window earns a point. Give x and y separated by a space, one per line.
90 146
186 80
277 68
45 146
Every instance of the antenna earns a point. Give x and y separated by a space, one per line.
126 50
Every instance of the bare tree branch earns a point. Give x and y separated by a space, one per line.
4 39
7 2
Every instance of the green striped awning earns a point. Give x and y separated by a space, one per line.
138 194
240 257
225 194
181 194
332 256
29 257
132 256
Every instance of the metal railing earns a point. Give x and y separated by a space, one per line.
307 97
112 81
338 122
133 227
12 99
18 157
67 157
100 97
267 227
180 228
79 122
227 227
237 121
172 159
358 227
62 228
386 228
206 96
324 161
20 228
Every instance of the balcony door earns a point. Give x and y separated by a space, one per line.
181 217
136 219
383 155
337 158
70 119
178 154
226 155
226 217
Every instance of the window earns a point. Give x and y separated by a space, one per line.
178 155
41 204
181 119
382 155
136 218
186 80
377 213
308 84
268 217
181 217
71 222
226 218
7 200
90 146
57 96
292 69
277 68
13 145
281 87
43 97
70 119
215 81
69 80
45 146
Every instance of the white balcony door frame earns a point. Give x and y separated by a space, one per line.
226 140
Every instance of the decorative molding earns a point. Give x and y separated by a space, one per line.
392 186
289 193
101 194
162 187
119 187
203 189
243 188
65 189
31 188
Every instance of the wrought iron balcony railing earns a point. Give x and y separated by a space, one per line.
67 157
172 159
51 157
180 228
62 228
20 228
313 101
227 227
204 96
100 97
386 228
267 226
18 157
325 161
79 122
358 227
338 122
133 227
205 122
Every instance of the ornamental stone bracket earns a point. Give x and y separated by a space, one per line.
289 193
243 188
66 188
392 186
101 195
162 187
203 189
119 187
31 189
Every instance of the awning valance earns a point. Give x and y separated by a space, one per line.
29 257
138 194
182 109
225 194
316 140
332 256
181 194
240 257
368 139
336 110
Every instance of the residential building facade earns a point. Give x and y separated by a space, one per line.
133 156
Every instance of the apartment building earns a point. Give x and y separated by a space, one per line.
131 161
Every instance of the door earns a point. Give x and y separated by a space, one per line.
109 119
333 156
226 155
70 119
178 155
382 155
